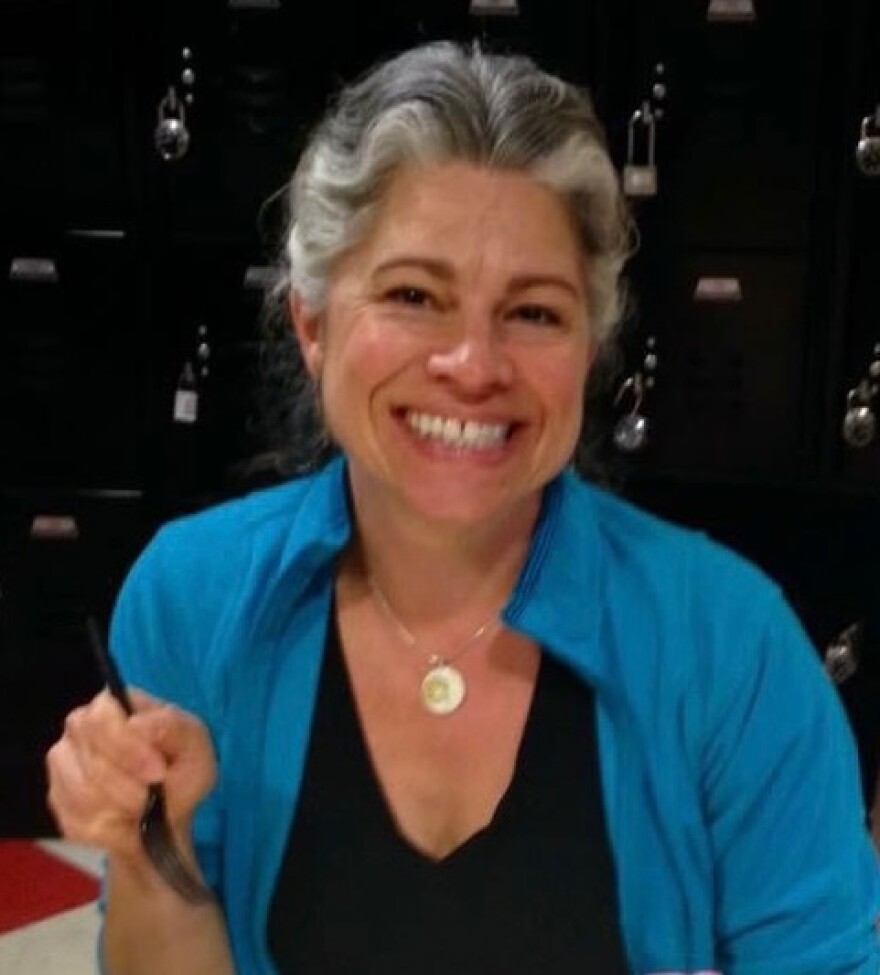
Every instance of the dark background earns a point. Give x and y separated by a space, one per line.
117 268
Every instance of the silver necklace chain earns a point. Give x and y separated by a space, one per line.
409 638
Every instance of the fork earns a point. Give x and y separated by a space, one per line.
155 831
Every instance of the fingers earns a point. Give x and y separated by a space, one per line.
98 773
169 729
101 767
102 728
103 811
186 745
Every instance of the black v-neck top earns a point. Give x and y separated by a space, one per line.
533 893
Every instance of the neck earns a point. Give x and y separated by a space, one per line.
430 573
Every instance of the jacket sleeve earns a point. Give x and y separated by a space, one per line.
159 636
797 877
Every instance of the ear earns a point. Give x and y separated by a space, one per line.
309 330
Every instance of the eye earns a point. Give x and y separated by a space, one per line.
538 314
409 295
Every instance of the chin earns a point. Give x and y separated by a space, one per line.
460 510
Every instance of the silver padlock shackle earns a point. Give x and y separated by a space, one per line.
861 395
867 152
645 116
869 122
171 104
632 384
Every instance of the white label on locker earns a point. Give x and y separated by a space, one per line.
488 8
94 233
731 11
186 406
718 289
55 528
41 269
258 277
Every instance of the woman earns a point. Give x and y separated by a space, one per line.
441 705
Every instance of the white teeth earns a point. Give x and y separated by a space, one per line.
452 430
454 433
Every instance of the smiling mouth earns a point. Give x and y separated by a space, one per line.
458 434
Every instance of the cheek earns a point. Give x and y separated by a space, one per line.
359 360
382 345
565 384
564 403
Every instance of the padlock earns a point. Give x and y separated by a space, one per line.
631 433
640 179
171 136
186 396
631 430
842 654
868 147
860 422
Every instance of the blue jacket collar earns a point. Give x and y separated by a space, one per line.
558 597
322 526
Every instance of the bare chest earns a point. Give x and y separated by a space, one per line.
441 777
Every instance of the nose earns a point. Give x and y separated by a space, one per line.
475 361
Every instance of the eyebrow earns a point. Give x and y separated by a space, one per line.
439 269
445 272
524 281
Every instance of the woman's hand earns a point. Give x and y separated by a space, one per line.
100 769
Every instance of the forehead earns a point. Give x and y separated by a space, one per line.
455 211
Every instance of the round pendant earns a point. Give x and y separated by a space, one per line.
443 689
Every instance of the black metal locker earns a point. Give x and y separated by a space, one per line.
207 352
863 127
71 354
854 365
249 80
64 95
62 558
729 339
857 390
737 90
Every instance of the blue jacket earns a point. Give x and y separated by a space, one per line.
729 774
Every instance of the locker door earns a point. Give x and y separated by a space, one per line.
250 80
70 366
729 385
746 83
211 333
858 390
863 120
63 92
239 77
62 556
856 380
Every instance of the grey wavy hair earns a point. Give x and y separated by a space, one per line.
445 102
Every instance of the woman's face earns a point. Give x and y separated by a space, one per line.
454 347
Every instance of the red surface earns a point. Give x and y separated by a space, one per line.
34 885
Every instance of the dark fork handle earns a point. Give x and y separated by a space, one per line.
107 666
155 831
